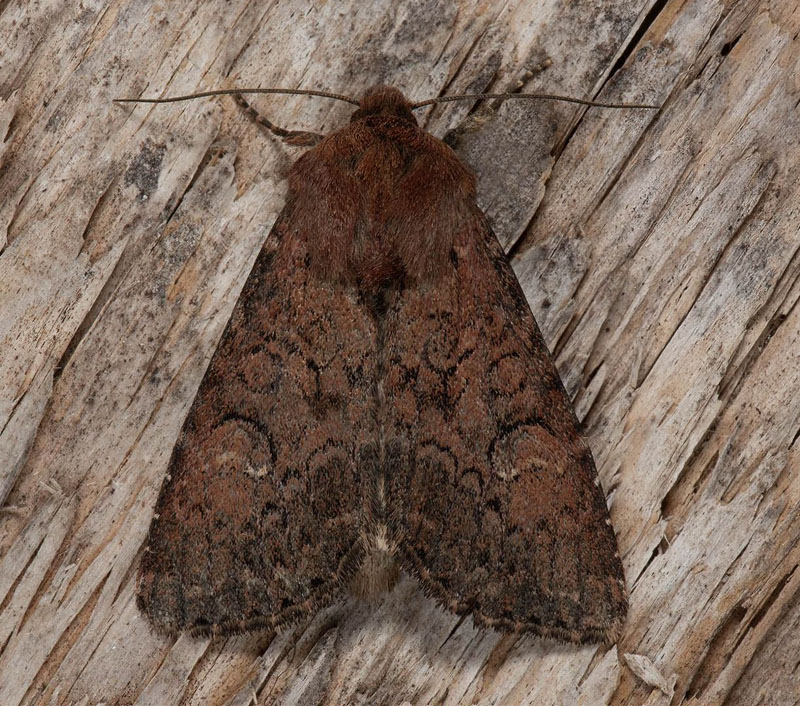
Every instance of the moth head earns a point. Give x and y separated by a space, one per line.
384 100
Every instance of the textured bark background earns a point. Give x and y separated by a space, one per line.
659 251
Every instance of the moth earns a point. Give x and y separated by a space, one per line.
382 400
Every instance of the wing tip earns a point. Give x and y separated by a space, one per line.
606 634
168 624
606 629
171 619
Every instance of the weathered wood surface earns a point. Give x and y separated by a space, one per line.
659 251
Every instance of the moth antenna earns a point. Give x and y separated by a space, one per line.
295 137
541 96
235 91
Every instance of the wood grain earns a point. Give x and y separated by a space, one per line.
659 251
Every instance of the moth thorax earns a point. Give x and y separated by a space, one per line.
387 101
376 268
379 569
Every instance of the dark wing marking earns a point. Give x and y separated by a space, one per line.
494 494
257 522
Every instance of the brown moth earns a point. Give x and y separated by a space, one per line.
382 399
